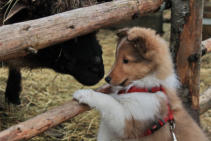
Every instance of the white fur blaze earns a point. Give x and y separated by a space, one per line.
113 113
84 96
142 106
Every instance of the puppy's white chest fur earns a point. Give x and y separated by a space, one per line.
116 109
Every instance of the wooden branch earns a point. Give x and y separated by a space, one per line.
32 127
186 36
205 101
40 33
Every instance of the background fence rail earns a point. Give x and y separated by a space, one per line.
15 39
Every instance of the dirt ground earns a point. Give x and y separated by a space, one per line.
44 89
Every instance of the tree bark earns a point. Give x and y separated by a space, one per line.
34 126
186 36
15 39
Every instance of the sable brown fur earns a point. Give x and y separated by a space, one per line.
149 53
157 48
147 61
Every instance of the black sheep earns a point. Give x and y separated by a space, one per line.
80 57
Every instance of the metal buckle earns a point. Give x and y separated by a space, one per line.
172 127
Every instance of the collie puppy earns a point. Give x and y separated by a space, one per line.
142 104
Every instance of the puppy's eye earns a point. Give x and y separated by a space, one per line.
125 61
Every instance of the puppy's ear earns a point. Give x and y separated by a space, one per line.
122 32
140 44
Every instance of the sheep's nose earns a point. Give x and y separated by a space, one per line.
95 69
108 79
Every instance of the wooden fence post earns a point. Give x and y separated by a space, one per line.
186 36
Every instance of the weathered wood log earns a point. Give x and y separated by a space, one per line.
34 126
37 34
205 101
186 35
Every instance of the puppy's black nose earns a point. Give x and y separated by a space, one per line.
108 79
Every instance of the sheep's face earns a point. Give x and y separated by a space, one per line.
82 58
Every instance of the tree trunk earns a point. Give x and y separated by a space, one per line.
16 39
186 36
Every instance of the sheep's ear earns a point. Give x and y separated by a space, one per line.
140 44
14 11
122 32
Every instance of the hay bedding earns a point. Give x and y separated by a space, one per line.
44 89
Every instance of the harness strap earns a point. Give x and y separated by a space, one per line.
160 122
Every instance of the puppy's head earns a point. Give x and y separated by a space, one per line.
136 56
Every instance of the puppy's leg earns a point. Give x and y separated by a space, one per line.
112 112
104 134
13 88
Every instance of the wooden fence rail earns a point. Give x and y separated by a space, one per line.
36 125
15 39
32 127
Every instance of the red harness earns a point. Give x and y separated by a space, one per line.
160 122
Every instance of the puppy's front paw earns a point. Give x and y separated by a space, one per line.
84 96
